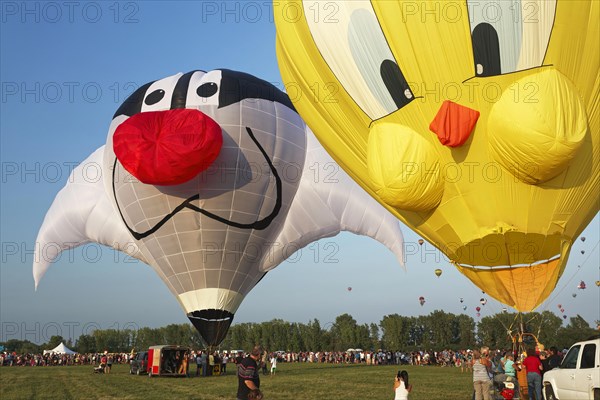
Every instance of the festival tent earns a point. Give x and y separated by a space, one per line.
61 349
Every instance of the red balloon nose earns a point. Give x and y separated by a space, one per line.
167 147
454 123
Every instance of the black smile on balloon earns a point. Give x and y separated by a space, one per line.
259 224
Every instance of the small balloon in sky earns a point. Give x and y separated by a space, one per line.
438 272
583 238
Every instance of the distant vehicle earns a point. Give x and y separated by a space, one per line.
138 365
168 360
578 376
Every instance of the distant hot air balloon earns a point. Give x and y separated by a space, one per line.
349 288
380 123
422 300
421 241
583 238
581 285
574 295
504 309
464 307
564 317
582 251
562 310
478 308
461 300
560 306
438 272
483 301
181 192
478 315
597 283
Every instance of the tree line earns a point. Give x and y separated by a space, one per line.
436 331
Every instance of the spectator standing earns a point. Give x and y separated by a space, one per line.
224 362
273 363
554 360
481 378
534 375
198 363
401 386
109 363
247 372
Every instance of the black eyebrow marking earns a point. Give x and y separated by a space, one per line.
181 89
133 104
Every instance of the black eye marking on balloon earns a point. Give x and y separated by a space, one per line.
486 50
207 89
395 83
258 225
154 97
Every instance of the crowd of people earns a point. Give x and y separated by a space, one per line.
12 359
488 367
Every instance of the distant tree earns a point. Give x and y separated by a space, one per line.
466 332
374 337
21 346
86 344
394 330
344 330
54 341
577 329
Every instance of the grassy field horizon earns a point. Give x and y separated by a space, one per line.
293 381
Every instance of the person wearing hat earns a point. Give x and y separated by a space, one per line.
247 371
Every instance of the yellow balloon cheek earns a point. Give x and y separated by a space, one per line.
536 137
404 168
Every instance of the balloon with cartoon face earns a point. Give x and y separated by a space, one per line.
476 123
209 177
195 181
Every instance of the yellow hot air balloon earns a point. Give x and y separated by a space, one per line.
438 272
479 132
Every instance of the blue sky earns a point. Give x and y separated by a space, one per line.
66 67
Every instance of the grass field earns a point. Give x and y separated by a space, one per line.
292 382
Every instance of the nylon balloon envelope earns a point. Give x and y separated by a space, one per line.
501 180
206 179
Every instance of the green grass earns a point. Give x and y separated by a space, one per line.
292 382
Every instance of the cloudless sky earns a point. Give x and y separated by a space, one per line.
66 66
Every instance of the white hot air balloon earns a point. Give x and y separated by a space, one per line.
207 179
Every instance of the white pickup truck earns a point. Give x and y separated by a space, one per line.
578 376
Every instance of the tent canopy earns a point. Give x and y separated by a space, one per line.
60 349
